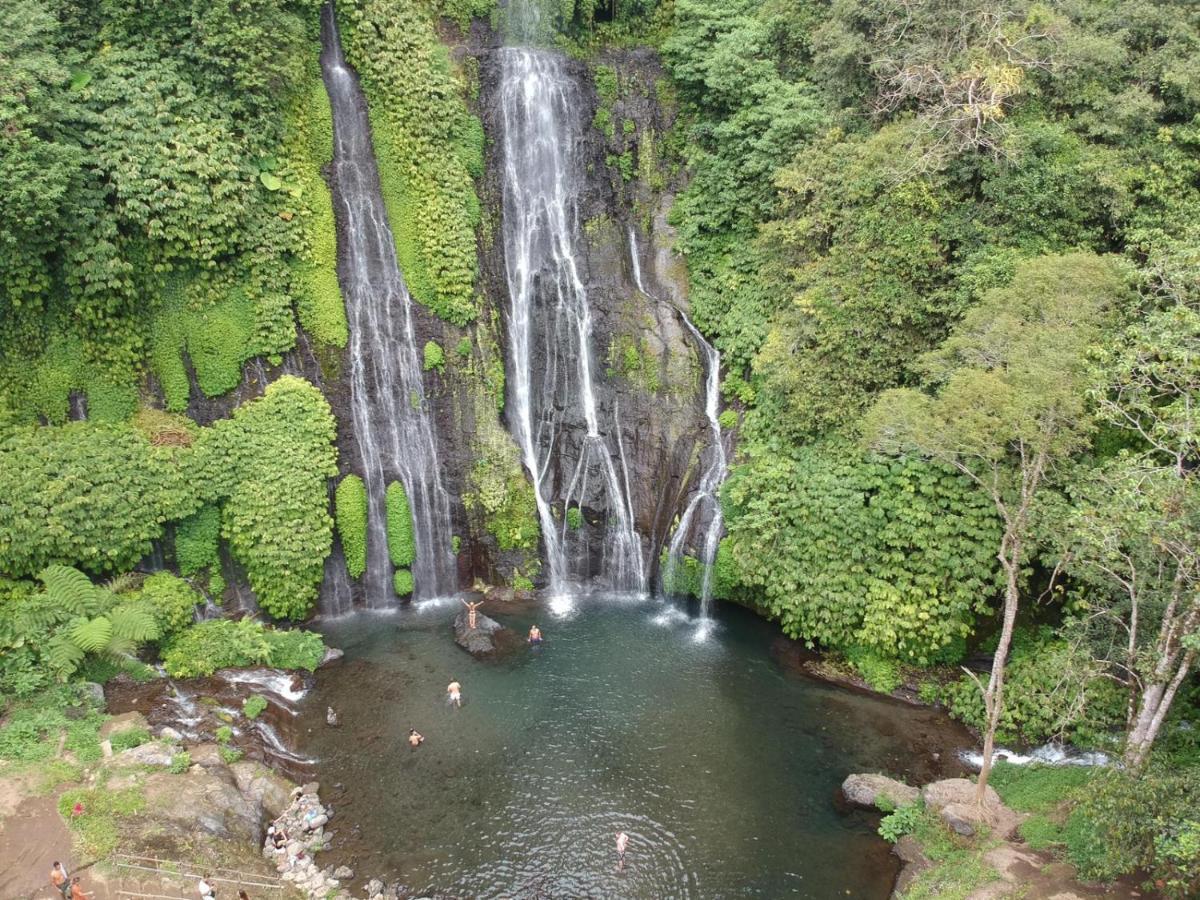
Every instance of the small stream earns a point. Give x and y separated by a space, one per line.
707 746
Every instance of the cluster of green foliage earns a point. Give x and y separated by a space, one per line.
253 706
95 815
686 577
890 555
351 511
1053 692
629 358
402 546
223 643
124 249
501 496
35 725
434 358
428 146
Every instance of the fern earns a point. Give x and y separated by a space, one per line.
63 656
133 624
71 590
91 635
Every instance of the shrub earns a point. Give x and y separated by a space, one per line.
351 511
728 419
401 546
224 734
463 347
130 737
230 755
253 706
224 643
180 763
402 582
881 674
574 517
900 822
171 601
435 357
196 540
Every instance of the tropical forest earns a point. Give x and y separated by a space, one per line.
599 448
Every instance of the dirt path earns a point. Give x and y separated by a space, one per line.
32 837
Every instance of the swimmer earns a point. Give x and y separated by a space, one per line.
454 693
535 635
415 738
622 843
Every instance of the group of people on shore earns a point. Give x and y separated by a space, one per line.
70 887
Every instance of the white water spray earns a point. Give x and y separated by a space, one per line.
392 425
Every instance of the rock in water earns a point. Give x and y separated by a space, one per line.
866 790
479 640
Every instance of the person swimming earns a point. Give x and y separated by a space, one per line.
535 635
415 738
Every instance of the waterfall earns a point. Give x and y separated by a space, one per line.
550 321
390 418
706 493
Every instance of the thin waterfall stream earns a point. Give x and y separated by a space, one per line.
393 430
706 493
550 321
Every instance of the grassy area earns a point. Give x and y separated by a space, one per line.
1047 794
94 816
958 869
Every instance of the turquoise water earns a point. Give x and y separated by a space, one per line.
718 759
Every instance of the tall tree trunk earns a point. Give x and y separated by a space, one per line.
993 695
1152 711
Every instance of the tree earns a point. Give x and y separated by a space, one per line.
1139 528
1008 402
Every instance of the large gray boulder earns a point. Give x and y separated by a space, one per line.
954 800
199 801
260 785
155 753
480 640
867 790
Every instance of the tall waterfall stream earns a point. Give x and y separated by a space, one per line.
392 425
549 306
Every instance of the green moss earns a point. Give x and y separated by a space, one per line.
401 544
501 496
428 146
628 358
319 298
463 348
728 419
253 706
434 357
402 582
574 517
351 517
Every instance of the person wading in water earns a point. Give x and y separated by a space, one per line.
622 843
454 692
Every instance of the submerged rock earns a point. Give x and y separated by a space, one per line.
332 655
867 790
480 640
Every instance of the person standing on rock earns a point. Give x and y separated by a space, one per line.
454 693
472 613
58 878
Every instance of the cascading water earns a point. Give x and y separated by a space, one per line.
391 422
705 495
550 321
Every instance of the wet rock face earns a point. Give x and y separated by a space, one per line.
647 373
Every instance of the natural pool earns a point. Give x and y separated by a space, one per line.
718 758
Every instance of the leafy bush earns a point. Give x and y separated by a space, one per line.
900 822
881 674
401 546
402 582
225 643
180 763
171 601
253 706
574 517
224 734
351 512
196 540
130 737
230 755
435 357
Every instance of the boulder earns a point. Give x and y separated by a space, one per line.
953 799
155 753
867 790
332 655
206 755
124 722
343 873
262 786
92 693
481 639
914 862
167 733
199 801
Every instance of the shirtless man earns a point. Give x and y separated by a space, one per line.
472 615
58 878
415 738
535 635
454 692
622 843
